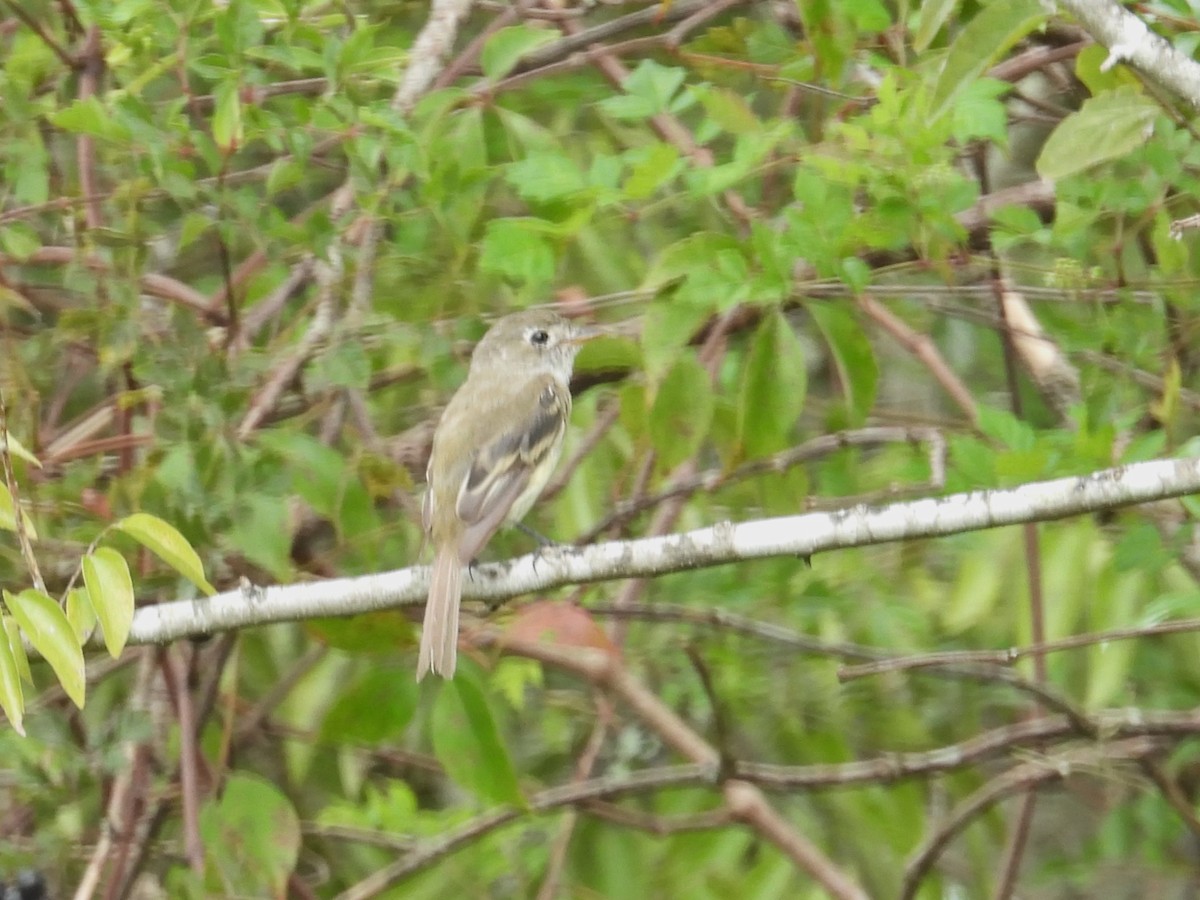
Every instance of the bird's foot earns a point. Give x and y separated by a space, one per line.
542 540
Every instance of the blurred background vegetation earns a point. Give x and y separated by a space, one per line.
244 252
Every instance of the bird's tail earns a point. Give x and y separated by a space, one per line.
439 637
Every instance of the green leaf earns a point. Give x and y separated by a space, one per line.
648 91
515 249
543 176
88 116
858 370
729 110
1105 127
284 174
32 182
1070 567
110 594
321 476
650 167
705 270
194 225
855 273
1116 604
773 387
260 531
373 710
8 519
12 698
980 582
357 49
251 835
51 635
1089 69
17 449
666 330
468 743
10 300
682 258
13 632
505 48
624 106
228 128
681 412
867 15
19 241
992 31
377 632
164 541
749 152
344 365
979 111
1006 429
80 614
934 14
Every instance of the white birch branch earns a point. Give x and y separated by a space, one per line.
1129 40
428 54
801 536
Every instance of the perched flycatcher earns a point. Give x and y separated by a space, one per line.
493 451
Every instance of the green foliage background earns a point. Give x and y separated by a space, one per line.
784 171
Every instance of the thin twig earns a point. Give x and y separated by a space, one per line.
469 55
1017 67
816 448
1010 655
583 770
668 127
92 62
997 743
35 26
430 851
483 90
252 721
269 307
223 297
659 826
163 287
745 801
117 816
667 514
920 346
580 39
717 618
1173 794
175 678
319 328
1026 777
709 11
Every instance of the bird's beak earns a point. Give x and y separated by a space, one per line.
585 333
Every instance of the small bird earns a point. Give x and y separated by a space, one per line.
494 450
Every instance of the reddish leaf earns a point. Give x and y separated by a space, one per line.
561 624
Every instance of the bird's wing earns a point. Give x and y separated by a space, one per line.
501 468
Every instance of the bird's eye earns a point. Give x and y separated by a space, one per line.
539 337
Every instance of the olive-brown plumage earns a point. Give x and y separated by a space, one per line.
494 449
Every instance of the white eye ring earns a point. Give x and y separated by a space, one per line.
539 337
